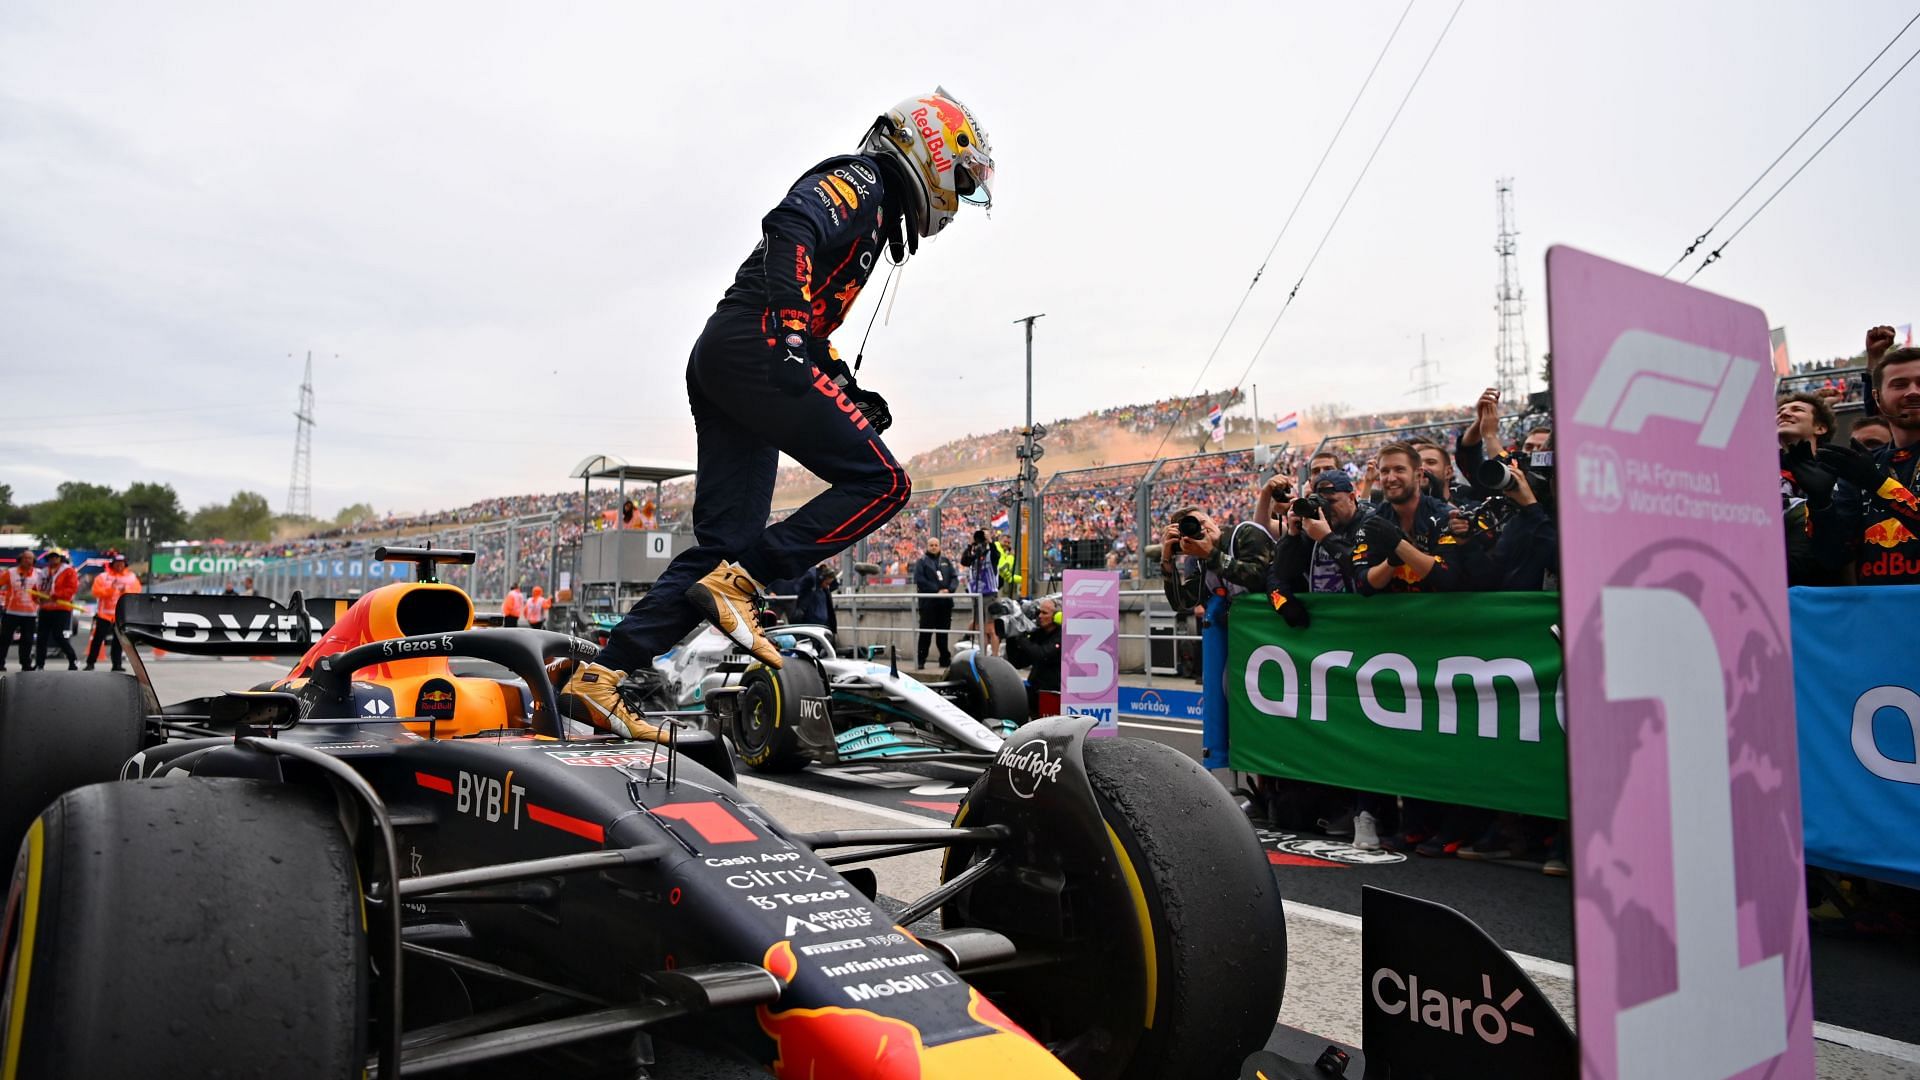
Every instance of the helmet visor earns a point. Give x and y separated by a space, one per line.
973 177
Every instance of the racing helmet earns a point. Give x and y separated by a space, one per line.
944 152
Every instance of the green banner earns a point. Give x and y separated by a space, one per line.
1452 697
180 562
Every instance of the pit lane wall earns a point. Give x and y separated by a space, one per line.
1458 698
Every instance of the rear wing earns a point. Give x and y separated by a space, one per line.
226 625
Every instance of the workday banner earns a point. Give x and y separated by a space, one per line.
1857 693
1450 697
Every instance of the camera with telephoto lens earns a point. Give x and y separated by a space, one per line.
1012 617
1310 506
1493 474
1190 527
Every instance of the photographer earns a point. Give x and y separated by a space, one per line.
1203 570
1032 639
1405 546
982 560
1318 535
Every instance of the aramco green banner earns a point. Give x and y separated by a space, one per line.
180 562
1453 697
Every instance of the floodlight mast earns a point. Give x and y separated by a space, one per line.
1027 487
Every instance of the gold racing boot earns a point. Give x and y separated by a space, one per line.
596 691
729 598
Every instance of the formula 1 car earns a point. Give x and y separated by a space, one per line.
381 867
828 709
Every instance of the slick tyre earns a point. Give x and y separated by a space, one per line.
767 725
994 689
186 927
60 730
1188 941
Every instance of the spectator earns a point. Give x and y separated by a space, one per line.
1405 547
935 579
1204 570
1440 480
62 583
813 600
512 606
1538 439
19 608
1889 544
536 608
113 583
1872 433
1319 535
1817 531
1526 556
982 558
1038 648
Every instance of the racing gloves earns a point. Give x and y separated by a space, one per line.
1813 478
1852 466
1290 609
1383 535
871 405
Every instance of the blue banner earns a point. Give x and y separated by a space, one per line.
1152 701
1857 693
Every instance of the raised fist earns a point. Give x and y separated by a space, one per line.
1879 340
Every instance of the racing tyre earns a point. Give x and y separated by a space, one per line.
994 689
186 927
1187 943
60 730
767 724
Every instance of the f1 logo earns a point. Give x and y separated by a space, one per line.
1646 375
1093 586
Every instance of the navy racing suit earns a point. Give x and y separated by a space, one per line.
818 248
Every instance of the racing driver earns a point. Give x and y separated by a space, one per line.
763 380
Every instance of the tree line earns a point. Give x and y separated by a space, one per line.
95 516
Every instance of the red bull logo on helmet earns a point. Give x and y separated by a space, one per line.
936 139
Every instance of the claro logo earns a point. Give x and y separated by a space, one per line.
1396 994
1646 375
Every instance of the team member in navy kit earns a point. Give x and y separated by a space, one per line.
763 380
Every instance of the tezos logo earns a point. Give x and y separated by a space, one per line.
1028 765
441 644
1395 994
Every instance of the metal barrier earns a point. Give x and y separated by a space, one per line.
513 551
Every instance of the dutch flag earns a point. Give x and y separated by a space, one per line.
999 520
1287 422
1217 420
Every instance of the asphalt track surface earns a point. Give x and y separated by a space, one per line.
1860 985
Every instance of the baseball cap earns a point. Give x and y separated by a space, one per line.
1332 480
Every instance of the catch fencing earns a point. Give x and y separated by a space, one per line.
526 551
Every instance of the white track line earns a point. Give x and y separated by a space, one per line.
842 803
1161 727
1538 967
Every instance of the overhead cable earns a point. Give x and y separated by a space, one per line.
1350 193
1714 255
1698 240
1275 246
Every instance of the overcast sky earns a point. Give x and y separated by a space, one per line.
498 228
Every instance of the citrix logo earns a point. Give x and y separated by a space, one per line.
1395 994
1646 375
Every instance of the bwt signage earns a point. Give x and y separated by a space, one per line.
1090 648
